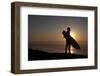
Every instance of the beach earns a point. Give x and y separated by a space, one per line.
54 50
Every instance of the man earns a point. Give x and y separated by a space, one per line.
67 36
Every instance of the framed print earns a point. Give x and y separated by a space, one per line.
52 37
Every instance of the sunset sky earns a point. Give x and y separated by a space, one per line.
49 28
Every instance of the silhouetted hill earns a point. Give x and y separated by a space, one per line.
41 55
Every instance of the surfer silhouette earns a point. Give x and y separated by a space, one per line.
68 40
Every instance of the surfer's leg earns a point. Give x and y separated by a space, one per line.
69 49
66 48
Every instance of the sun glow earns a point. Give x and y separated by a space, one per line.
72 51
73 35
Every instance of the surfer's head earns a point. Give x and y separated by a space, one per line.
68 28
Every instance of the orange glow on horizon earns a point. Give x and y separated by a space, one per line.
53 37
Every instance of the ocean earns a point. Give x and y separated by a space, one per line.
58 47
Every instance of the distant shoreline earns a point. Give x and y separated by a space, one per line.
41 55
58 47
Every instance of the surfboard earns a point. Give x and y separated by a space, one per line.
73 41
